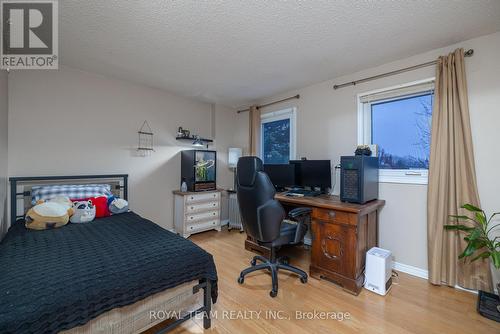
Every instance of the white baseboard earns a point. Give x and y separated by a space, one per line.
410 270
422 273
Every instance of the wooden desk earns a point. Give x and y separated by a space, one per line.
342 233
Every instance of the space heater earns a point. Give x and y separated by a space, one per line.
378 270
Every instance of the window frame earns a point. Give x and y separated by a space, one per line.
402 176
278 115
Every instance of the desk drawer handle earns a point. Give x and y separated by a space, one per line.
332 214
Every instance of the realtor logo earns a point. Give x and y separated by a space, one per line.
29 34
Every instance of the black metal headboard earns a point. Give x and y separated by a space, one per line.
121 186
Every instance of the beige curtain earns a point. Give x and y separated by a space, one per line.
254 130
452 179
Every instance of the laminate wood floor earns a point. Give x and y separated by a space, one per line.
412 306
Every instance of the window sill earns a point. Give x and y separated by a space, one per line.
403 179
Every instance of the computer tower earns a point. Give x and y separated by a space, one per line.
358 178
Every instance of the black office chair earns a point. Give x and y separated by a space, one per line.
262 217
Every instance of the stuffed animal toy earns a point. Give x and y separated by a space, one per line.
63 200
84 212
49 214
118 205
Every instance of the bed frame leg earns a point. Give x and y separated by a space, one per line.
207 303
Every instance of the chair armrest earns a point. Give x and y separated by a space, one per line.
301 216
297 212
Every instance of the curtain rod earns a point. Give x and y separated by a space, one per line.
271 103
467 53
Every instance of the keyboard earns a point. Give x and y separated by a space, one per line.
302 193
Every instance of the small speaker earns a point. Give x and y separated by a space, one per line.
358 179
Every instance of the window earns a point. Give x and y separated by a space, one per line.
398 121
278 136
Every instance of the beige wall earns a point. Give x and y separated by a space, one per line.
227 134
3 151
73 122
327 128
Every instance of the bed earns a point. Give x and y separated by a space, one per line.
114 275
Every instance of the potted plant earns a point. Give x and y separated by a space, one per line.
480 245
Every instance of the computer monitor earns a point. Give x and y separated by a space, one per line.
313 173
281 175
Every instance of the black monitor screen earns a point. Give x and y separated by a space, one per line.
313 173
281 175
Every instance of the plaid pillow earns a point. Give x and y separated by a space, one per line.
72 191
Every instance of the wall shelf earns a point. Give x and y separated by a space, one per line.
193 138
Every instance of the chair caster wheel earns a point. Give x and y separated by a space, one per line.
253 262
241 280
273 293
303 280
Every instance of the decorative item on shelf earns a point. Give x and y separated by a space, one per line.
363 150
198 142
232 161
480 245
184 187
183 133
145 146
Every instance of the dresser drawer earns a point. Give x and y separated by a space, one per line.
333 216
195 217
202 197
203 206
202 225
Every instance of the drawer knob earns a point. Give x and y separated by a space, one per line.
332 214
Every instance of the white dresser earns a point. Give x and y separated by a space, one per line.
196 212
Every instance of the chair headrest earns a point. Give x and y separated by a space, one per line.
248 167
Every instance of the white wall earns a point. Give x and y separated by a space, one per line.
72 122
3 151
327 128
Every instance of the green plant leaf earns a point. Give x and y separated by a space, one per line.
474 235
481 218
478 243
460 217
471 207
495 256
459 227
468 251
483 255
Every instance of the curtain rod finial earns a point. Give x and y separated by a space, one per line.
469 53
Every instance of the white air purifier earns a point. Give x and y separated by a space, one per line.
378 272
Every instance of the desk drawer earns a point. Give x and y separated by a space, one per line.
199 207
334 216
202 197
190 218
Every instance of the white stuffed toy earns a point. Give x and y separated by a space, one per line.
84 212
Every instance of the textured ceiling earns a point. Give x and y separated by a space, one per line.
234 52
